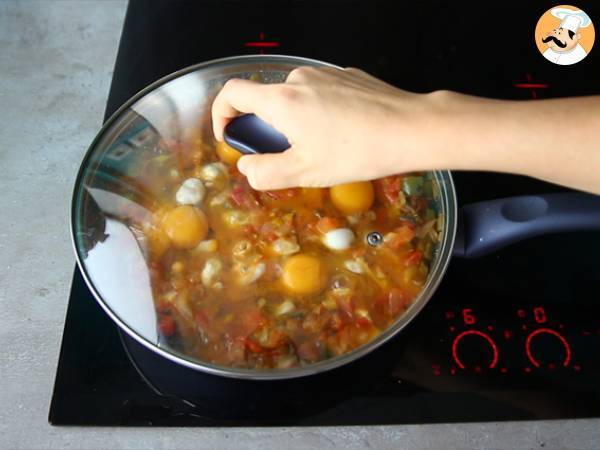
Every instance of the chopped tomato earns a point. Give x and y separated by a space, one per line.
252 321
391 187
327 224
268 231
166 325
267 228
243 197
381 215
414 258
253 346
362 322
308 351
237 195
249 229
395 302
310 227
402 235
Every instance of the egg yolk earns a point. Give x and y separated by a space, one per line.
352 198
227 154
304 274
186 226
158 241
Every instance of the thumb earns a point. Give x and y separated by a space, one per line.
270 171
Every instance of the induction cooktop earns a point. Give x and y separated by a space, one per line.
513 335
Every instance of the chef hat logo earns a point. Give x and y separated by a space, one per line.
570 19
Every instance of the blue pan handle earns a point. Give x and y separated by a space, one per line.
250 134
488 226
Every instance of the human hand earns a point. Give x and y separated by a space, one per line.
343 126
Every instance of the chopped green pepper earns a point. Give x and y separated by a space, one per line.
428 188
412 185
429 214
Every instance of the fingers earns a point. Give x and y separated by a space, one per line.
245 96
306 74
270 171
358 72
237 96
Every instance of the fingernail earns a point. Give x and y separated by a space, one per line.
242 164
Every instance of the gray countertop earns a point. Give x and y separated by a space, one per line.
56 60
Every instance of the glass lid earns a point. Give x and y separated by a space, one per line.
188 258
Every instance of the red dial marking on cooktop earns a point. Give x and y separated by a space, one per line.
490 341
553 333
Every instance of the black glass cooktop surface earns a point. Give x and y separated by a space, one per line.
514 335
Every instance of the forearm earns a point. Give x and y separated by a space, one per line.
555 140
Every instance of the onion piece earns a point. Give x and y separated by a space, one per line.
249 275
363 313
284 308
285 247
235 218
354 266
210 272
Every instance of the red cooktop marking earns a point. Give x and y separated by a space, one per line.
457 360
262 44
531 85
553 333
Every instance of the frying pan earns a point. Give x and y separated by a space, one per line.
107 197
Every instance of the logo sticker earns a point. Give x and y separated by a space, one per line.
564 35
